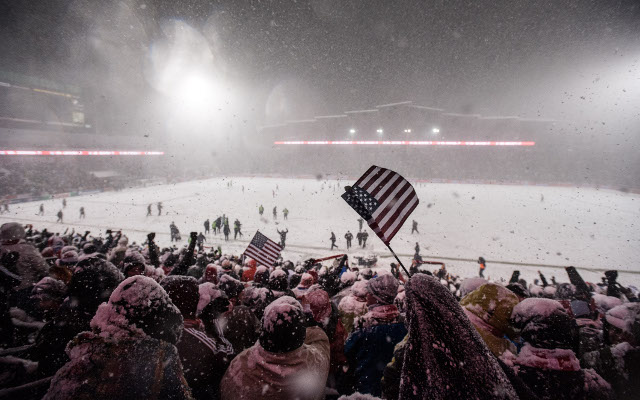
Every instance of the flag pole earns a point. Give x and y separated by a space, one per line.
394 254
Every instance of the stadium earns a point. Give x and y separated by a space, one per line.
216 191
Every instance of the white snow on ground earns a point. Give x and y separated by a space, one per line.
591 229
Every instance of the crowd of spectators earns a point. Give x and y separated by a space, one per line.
89 317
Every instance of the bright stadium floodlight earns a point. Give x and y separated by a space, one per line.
407 130
435 131
379 131
352 131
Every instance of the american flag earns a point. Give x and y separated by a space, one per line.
384 199
262 249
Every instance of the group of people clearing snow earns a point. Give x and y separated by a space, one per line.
100 317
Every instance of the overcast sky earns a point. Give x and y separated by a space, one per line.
287 59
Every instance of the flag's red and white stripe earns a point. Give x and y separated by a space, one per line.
264 250
396 197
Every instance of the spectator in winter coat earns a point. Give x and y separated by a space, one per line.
547 362
117 254
489 309
353 305
618 362
92 283
204 359
130 352
31 266
250 270
447 358
240 325
290 361
370 346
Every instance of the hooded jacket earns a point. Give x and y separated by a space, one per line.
259 374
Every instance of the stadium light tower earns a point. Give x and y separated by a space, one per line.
379 131
352 131
435 131
407 130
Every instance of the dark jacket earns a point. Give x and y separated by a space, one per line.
369 348
141 368
204 360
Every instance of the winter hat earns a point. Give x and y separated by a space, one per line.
49 288
383 288
545 323
251 263
257 299
306 281
261 277
314 274
183 292
519 289
566 291
283 328
623 324
57 243
195 271
10 232
68 258
92 282
132 260
139 307
226 264
360 290
47 252
278 280
208 292
68 248
211 274
319 303
348 278
123 242
492 304
230 286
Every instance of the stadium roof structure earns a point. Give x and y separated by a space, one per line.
402 103
361 111
330 116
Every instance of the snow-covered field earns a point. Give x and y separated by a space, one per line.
542 227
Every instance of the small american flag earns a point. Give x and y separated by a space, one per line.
262 249
384 199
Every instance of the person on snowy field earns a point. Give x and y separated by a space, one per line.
285 213
59 215
174 232
130 351
206 226
275 213
91 284
547 362
236 229
414 227
348 236
333 240
360 222
443 357
218 224
41 210
289 361
159 205
283 236
261 210
204 359
359 237
82 214
200 241
483 266
370 346
64 203
149 210
226 230
365 236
